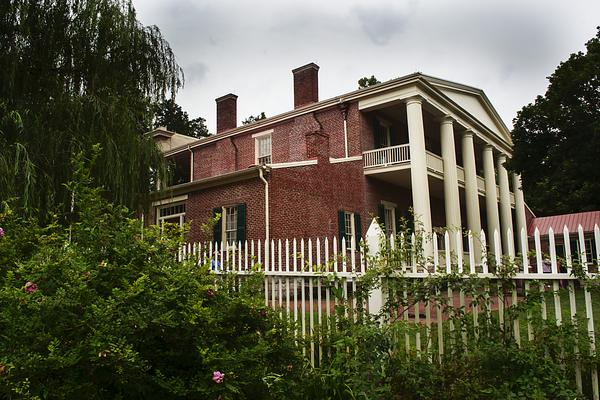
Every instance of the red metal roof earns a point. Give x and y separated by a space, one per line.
587 220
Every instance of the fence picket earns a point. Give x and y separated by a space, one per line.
290 288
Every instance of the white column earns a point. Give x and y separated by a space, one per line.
418 169
471 195
491 197
505 209
519 211
451 198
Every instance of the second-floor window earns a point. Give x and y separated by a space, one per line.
263 149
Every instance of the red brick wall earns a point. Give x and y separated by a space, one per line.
305 200
200 205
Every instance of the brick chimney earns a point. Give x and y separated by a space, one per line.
306 85
226 112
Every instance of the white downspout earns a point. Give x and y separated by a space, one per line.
261 175
191 163
345 136
344 108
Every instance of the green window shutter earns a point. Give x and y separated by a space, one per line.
241 222
217 229
357 228
341 226
381 215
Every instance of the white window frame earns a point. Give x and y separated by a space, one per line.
160 220
226 212
263 158
589 250
349 228
389 210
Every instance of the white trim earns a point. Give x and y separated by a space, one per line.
175 199
345 159
263 133
160 220
293 164
257 139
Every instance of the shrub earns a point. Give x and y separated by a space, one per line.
100 309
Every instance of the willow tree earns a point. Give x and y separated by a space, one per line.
74 73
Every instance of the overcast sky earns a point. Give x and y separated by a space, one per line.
506 48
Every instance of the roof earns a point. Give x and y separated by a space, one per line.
587 220
426 81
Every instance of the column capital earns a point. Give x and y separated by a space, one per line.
415 99
468 133
501 158
447 119
488 147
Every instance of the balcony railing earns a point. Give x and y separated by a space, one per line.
387 156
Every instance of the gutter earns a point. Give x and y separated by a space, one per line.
231 177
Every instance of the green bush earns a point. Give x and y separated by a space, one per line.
99 308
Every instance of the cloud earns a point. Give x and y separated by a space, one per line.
195 73
382 22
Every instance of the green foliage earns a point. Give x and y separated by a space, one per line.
377 356
102 310
252 119
557 138
170 115
74 73
365 82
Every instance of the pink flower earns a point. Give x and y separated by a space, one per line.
30 287
218 377
1 232
210 292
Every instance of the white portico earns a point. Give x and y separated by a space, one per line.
445 143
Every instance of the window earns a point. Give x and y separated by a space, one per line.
387 217
230 221
590 250
383 133
350 227
263 148
172 213
231 228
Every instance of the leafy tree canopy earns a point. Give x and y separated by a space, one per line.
252 119
170 115
366 82
557 138
74 73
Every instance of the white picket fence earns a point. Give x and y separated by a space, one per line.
299 284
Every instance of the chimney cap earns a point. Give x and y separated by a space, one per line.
305 67
226 97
